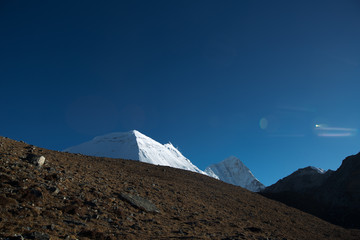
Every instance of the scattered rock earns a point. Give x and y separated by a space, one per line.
14 183
135 226
37 236
15 237
74 222
54 190
92 234
37 160
70 237
72 208
5 178
31 148
32 195
90 203
253 229
139 202
50 227
5 201
52 177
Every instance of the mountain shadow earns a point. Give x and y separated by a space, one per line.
332 195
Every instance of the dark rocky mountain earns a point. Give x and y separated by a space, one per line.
301 180
332 195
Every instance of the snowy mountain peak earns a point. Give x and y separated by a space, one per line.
140 135
231 158
174 150
115 136
135 146
234 161
319 170
234 171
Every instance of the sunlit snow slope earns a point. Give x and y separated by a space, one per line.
135 146
233 171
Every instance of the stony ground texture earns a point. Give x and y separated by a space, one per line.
79 197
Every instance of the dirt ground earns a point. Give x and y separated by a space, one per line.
80 197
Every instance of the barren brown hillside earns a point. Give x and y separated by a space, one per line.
80 197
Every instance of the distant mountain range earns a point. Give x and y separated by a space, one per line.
134 145
331 195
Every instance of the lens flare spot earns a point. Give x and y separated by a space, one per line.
323 130
263 123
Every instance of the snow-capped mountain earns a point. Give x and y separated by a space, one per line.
134 145
233 171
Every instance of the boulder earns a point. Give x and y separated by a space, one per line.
37 160
139 202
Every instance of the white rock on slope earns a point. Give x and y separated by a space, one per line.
134 145
233 171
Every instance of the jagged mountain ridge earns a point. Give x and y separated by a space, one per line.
331 195
301 180
134 145
234 171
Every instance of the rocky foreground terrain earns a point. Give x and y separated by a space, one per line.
79 197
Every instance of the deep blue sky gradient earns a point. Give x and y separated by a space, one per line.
201 74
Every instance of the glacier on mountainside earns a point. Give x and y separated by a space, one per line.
134 145
233 171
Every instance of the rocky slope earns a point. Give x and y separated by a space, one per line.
72 196
233 171
332 195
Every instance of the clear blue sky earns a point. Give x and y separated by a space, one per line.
216 78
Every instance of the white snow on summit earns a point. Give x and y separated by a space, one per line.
319 170
233 171
134 145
